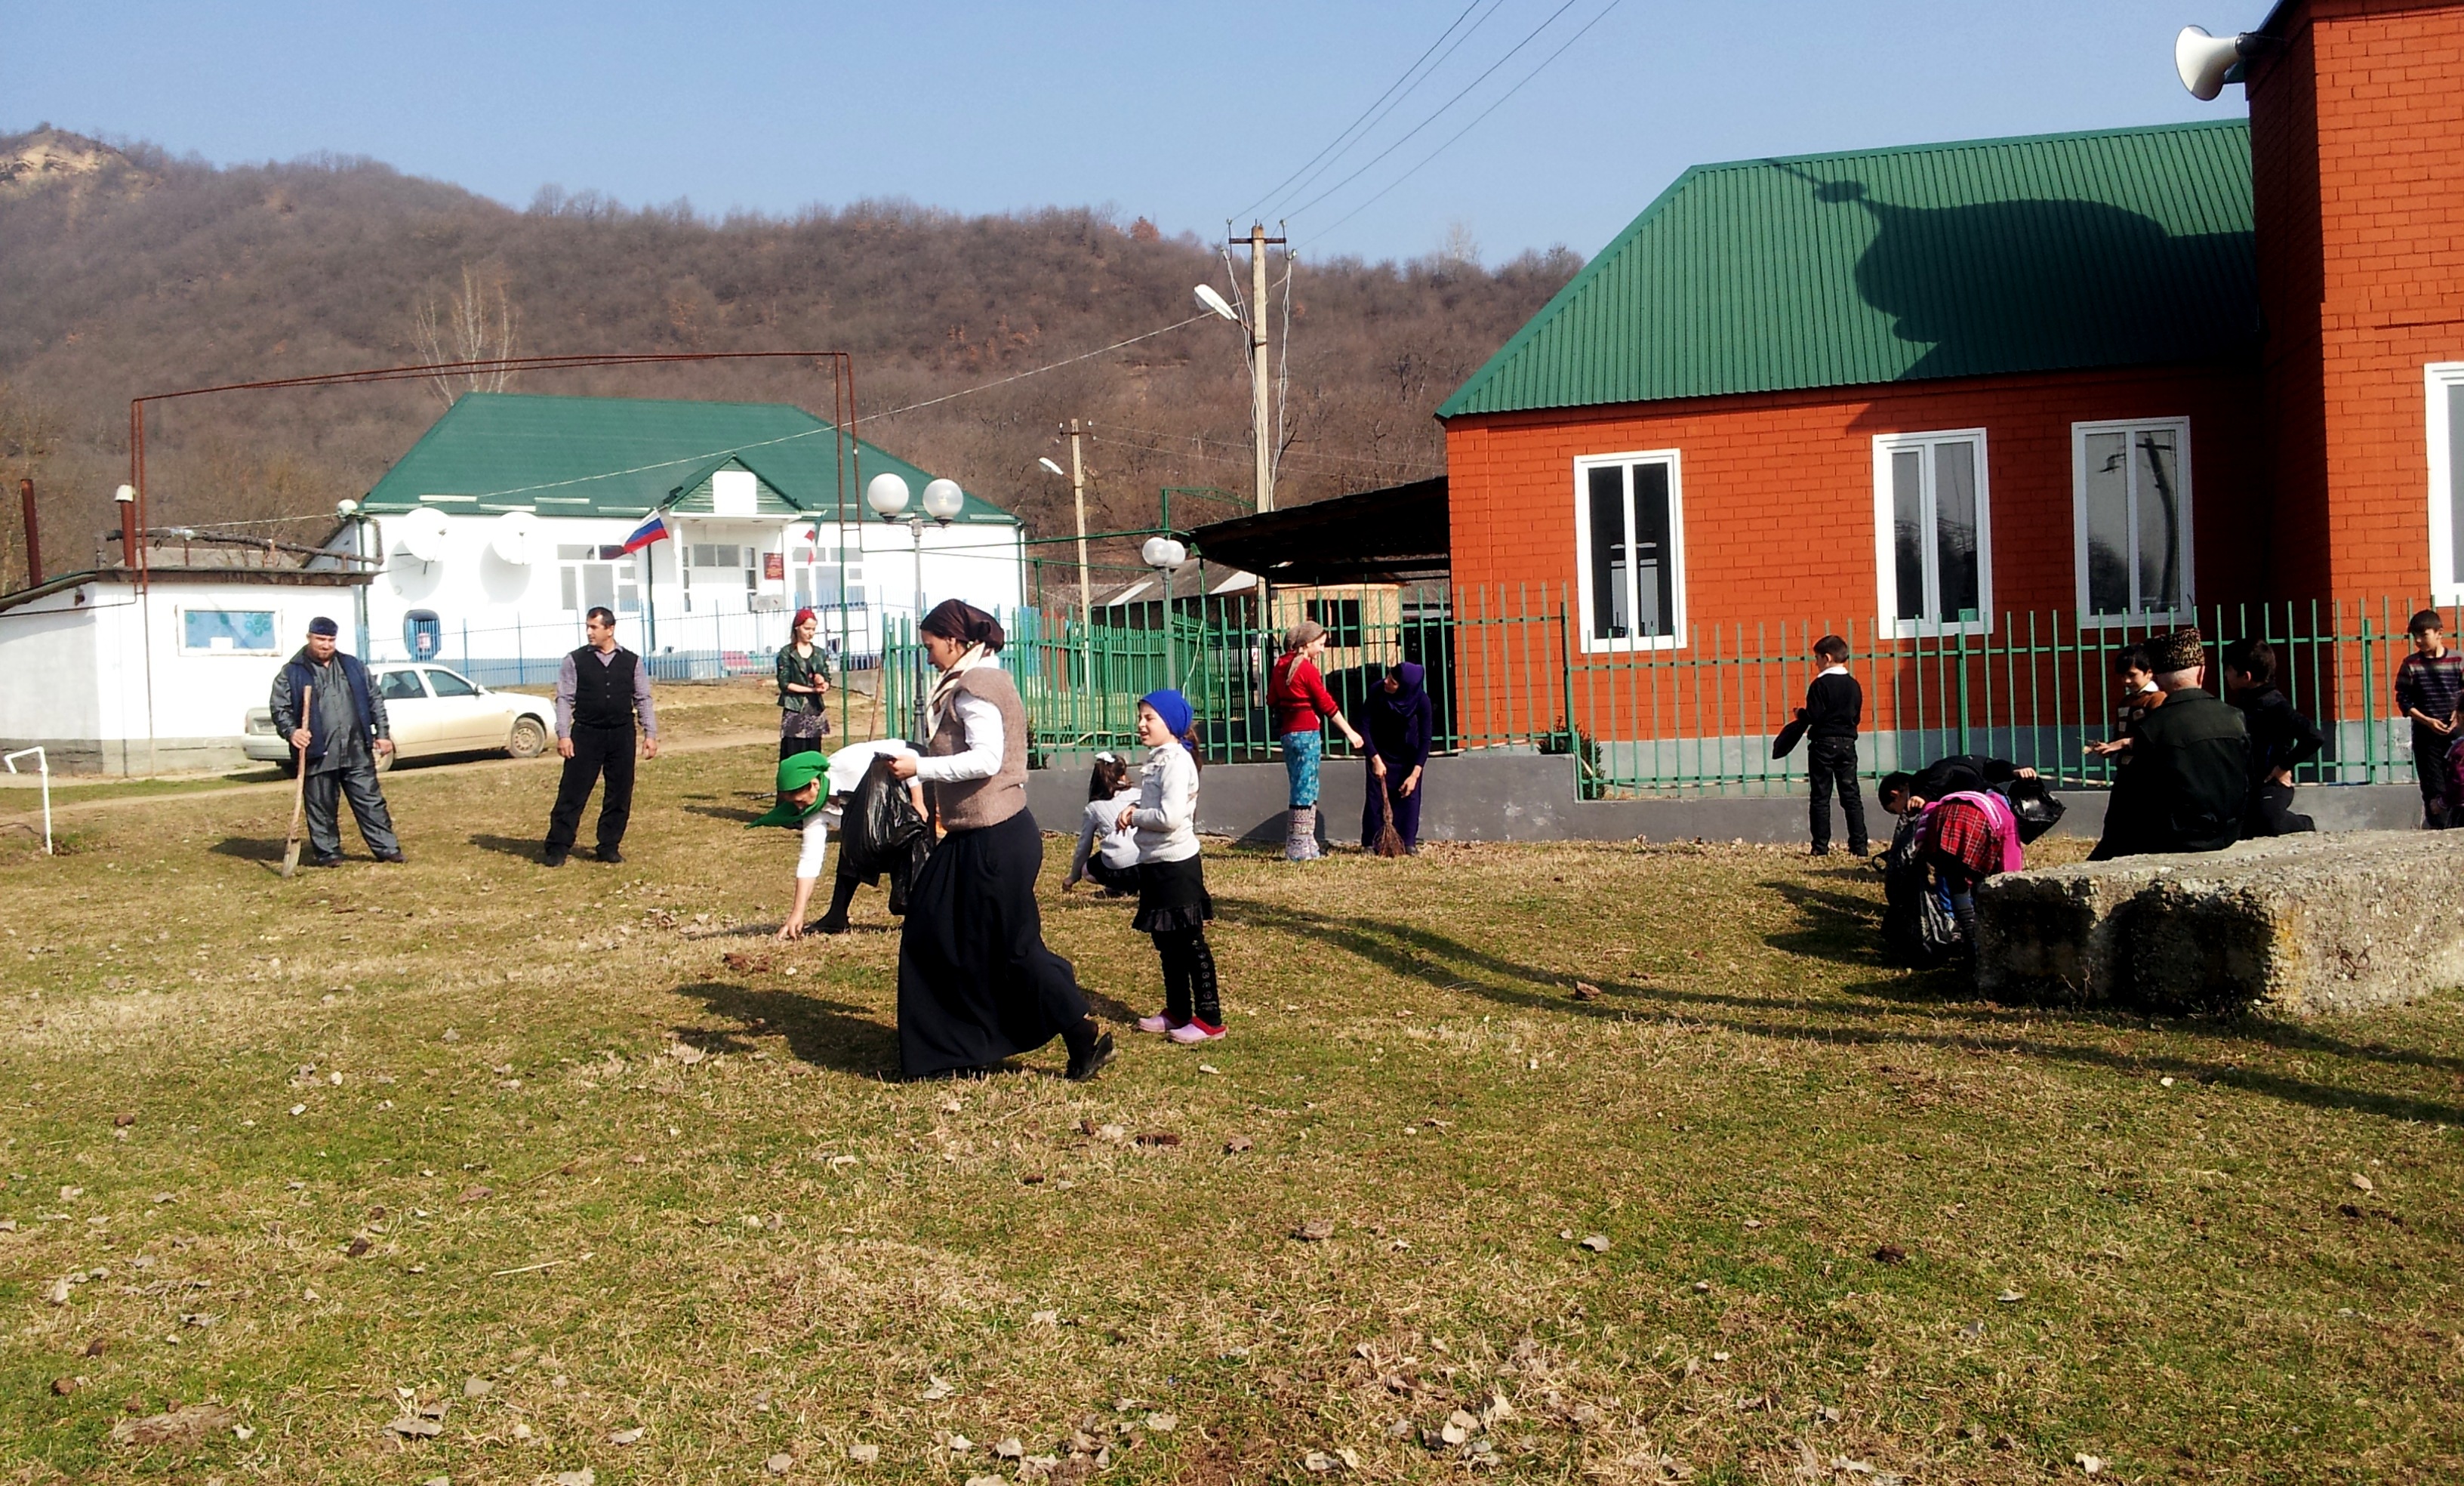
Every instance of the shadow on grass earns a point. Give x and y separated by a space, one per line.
825 1034
527 848
1445 964
724 813
253 848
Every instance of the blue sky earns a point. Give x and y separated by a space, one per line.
1185 114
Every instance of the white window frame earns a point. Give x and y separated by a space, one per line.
1886 578
2187 608
1675 639
2446 582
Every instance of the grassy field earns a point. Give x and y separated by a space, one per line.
536 1159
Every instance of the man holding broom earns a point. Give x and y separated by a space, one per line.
338 733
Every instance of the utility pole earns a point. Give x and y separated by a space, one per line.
1078 494
1262 431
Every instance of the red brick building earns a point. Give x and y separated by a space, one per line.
2115 375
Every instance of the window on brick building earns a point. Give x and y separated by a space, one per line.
2446 420
1629 537
1933 533
2131 519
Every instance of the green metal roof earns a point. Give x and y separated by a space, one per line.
625 457
2118 246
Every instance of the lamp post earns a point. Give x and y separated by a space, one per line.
1165 555
887 494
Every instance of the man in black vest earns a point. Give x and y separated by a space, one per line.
598 691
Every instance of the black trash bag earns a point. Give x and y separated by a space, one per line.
1918 929
881 832
2034 806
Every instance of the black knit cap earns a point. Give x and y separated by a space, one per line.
321 625
2179 651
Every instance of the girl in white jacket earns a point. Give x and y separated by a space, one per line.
1173 905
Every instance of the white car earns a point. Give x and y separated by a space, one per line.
433 711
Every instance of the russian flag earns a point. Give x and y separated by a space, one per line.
649 531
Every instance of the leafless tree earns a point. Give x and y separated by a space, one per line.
478 323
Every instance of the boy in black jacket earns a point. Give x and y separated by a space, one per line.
1834 705
2281 740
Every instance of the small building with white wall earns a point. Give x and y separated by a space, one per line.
111 671
513 515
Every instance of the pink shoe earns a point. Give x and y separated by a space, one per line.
1196 1030
1157 1024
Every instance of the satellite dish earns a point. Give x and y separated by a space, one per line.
513 538
421 533
2204 62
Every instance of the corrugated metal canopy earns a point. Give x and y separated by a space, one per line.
1375 536
2119 247
627 457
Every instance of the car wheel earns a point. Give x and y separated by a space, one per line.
529 739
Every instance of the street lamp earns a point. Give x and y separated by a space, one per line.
887 493
1164 555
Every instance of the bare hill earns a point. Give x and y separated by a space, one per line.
128 270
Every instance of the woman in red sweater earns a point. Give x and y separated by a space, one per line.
1297 697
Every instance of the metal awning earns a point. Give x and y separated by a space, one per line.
1394 534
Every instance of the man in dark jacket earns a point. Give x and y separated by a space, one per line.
2281 740
344 733
601 690
2189 784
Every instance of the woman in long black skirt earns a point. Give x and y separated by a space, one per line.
976 984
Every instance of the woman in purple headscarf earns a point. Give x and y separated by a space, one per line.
1398 722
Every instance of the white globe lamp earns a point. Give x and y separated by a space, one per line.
887 493
944 499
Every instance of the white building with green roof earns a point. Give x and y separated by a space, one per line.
511 516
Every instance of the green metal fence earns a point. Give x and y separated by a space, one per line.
1511 668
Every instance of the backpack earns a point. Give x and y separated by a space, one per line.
1918 929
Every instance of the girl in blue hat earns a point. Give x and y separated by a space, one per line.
1173 905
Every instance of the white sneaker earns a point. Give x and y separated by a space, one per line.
1196 1030
1159 1023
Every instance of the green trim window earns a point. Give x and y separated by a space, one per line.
2131 519
1933 533
2443 382
1629 545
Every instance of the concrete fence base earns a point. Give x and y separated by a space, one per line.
1503 795
2300 926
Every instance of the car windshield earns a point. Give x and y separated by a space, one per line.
400 686
446 684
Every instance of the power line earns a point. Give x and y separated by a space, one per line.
1357 125
1436 113
1474 124
1096 431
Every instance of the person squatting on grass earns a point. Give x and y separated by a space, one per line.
2281 740
342 736
2187 786
1967 833
976 983
1173 905
1298 700
1107 851
2429 688
1835 704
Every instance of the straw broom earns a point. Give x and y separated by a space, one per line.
1390 842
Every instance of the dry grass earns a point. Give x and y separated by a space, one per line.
628 1185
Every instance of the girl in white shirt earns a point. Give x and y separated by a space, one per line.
1173 905
1106 852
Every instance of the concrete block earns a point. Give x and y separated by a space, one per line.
2297 926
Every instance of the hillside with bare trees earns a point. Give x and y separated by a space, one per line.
127 272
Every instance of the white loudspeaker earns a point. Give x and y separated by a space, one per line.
2204 60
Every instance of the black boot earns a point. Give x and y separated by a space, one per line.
842 894
1088 1054
1173 949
